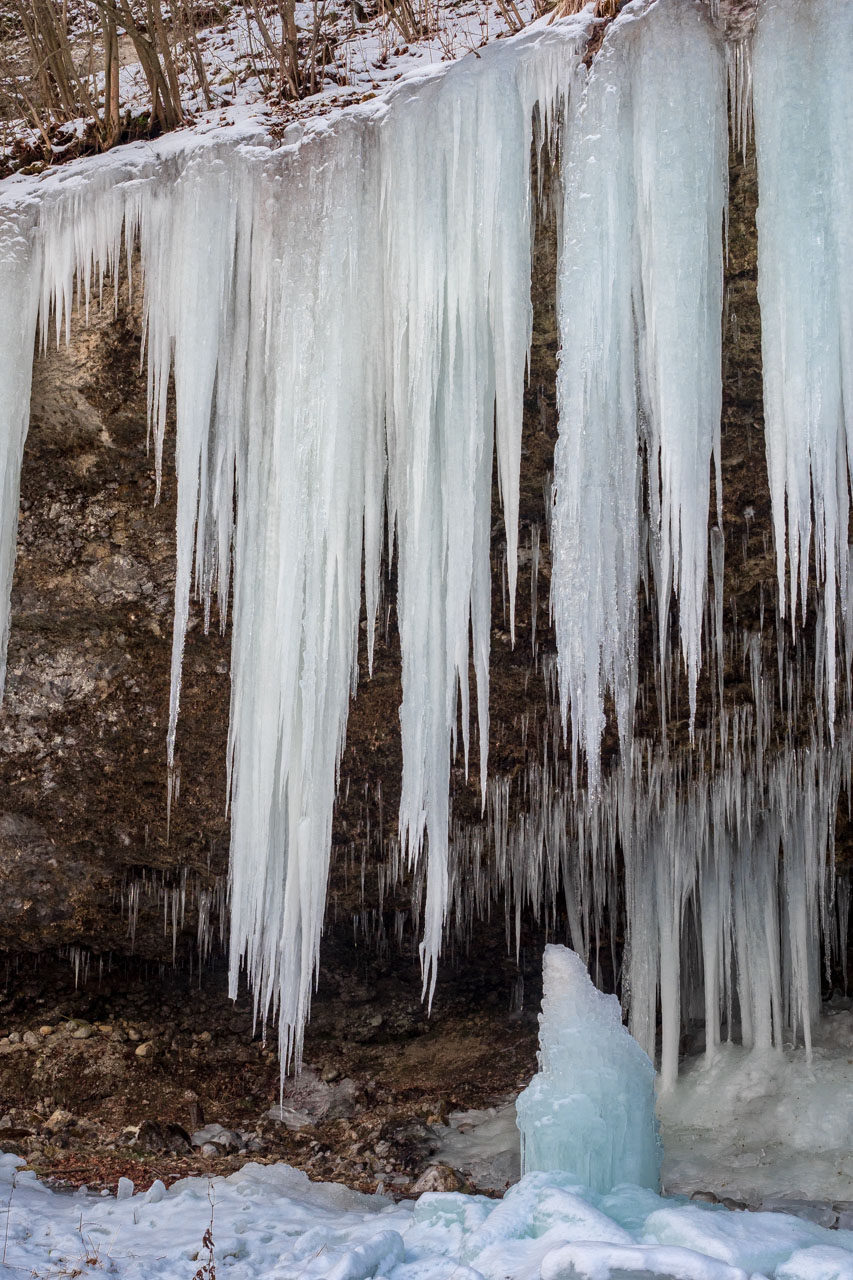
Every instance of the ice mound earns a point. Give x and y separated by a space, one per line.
590 1109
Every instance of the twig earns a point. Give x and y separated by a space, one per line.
9 1214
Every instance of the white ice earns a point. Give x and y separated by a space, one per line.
271 1221
803 104
640 304
590 1109
331 385
347 319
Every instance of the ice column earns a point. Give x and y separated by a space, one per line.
309 478
803 101
590 1109
640 304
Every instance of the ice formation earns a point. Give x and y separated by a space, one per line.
317 378
803 140
333 386
590 1109
18 312
718 862
640 301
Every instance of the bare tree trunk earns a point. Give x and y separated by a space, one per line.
111 80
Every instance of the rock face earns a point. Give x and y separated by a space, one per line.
82 754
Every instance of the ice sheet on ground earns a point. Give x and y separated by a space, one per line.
271 1221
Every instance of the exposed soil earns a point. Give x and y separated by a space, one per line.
111 1079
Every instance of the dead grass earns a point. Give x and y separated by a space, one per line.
603 9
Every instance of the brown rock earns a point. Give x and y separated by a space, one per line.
439 1177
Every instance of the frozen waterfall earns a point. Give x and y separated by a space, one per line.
320 379
347 320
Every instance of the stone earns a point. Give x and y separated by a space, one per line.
439 1177
45 1031
31 1040
158 1138
60 1119
145 1050
290 1117
83 1032
226 1140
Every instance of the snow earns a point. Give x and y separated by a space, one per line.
362 56
762 1126
271 1221
590 1109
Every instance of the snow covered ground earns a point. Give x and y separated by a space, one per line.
270 1221
776 1131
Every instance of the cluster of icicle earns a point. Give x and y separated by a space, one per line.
717 863
347 319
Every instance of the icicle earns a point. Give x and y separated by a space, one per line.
456 210
19 280
644 192
292 353
804 138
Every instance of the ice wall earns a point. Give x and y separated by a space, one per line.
640 304
590 1109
